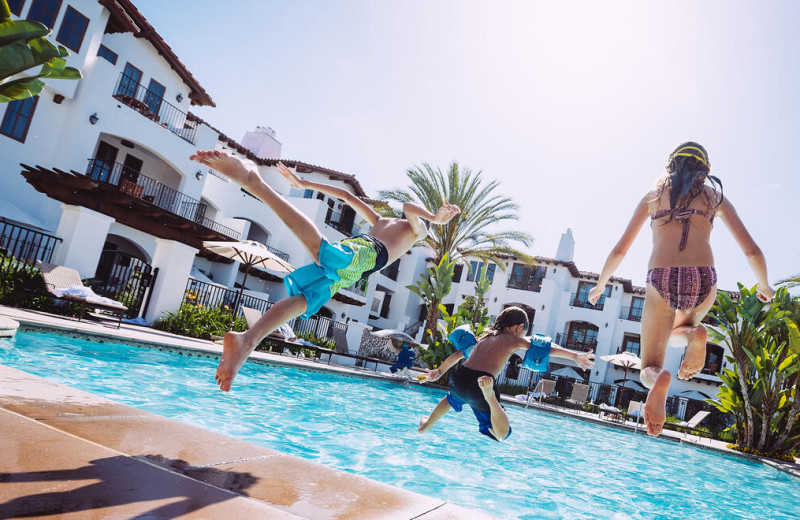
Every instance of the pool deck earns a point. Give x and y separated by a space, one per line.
70 454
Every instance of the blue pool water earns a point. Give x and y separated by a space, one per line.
551 466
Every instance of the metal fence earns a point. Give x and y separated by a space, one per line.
630 313
582 300
25 244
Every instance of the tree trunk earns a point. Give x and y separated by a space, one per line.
748 434
792 418
433 318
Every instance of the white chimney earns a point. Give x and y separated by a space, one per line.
566 247
262 143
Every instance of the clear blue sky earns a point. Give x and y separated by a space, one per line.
572 106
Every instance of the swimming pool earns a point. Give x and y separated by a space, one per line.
551 467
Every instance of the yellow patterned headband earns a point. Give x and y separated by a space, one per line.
685 154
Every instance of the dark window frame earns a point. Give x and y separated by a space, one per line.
16 110
476 268
75 16
16 8
41 6
153 99
628 339
129 85
637 306
106 53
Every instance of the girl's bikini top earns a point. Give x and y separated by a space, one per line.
683 214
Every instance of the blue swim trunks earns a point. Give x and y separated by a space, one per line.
464 389
341 264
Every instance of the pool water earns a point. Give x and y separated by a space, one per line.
550 467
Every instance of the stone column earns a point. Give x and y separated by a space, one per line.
174 262
84 233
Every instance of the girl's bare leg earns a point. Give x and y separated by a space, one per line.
426 423
688 331
657 321
236 346
246 175
500 424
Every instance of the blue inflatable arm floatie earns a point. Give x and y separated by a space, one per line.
538 354
463 339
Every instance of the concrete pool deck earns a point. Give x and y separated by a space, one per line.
71 454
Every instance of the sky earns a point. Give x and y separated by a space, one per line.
573 106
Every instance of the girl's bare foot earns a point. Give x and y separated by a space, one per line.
423 423
695 358
234 353
655 407
230 166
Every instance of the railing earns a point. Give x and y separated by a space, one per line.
582 300
574 344
280 254
150 190
630 313
153 106
218 175
514 283
333 219
125 278
359 288
26 245
210 295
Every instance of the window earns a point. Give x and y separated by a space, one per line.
527 277
582 296
153 96
129 82
457 272
108 54
631 343
637 304
16 6
476 270
392 270
714 356
73 27
321 196
308 194
582 336
44 11
18 117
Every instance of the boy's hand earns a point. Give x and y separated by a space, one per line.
290 176
445 214
595 294
585 359
431 375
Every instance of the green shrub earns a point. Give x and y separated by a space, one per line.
197 321
21 285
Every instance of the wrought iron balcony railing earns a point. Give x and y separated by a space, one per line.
152 105
575 343
630 313
26 245
278 253
582 300
524 285
140 186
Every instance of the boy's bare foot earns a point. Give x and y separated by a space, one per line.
695 358
423 423
234 353
486 384
655 407
225 163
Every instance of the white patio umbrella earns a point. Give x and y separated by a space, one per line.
625 360
567 372
250 254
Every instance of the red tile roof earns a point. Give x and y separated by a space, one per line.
125 17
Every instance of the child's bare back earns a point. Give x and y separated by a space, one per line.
492 352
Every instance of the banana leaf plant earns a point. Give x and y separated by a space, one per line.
434 284
23 46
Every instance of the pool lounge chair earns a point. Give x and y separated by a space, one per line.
543 389
579 394
690 426
612 412
65 284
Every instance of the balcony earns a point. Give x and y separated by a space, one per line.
334 220
574 343
524 285
159 195
582 300
24 244
280 254
153 106
630 313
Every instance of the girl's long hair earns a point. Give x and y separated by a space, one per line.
688 168
508 317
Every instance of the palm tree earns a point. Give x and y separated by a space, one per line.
791 281
473 232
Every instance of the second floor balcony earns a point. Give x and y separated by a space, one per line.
345 226
576 342
149 190
152 105
630 313
581 299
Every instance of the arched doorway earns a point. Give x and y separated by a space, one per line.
124 274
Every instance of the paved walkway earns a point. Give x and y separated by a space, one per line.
70 454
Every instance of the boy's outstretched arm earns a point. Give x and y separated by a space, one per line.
442 216
436 373
585 360
362 208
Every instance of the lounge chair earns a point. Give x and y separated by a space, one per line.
65 284
636 410
579 394
691 424
544 388
606 410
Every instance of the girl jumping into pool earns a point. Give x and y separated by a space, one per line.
473 382
336 265
681 280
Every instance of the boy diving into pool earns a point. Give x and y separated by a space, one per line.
473 382
335 264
